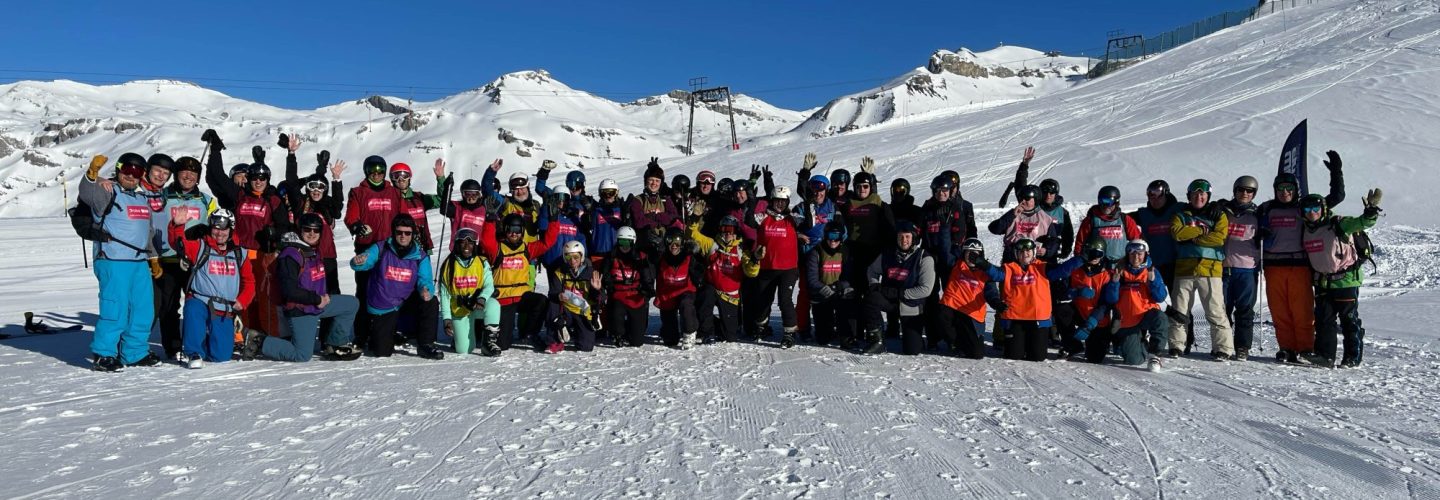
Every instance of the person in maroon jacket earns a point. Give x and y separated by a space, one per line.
650 212
261 216
371 207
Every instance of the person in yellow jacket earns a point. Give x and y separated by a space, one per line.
467 297
1200 230
726 265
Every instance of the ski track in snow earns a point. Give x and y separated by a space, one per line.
744 420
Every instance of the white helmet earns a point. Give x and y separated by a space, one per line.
781 193
625 233
609 184
519 180
574 247
1137 245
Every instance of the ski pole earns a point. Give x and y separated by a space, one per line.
1259 297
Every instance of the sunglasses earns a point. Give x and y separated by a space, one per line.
306 230
404 233
1313 209
1286 188
1155 192
1246 190
399 175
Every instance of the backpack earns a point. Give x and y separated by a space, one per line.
1364 246
82 218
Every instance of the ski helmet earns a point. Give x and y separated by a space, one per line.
705 176
573 247
840 177
187 164
952 175
899 187
729 221
905 226
1157 187
1137 245
222 219
1109 195
863 178
259 171
513 224
132 164
467 234
781 193
819 182
610 185
725 186
400 170
1313 201
941 183
625 233
836 231
1248 183
1094 249
575 180
740 185
311 221
519 180
973 245
1198 185
680 184
470 186
1022 244
374 165
163 161
239 169
674 235
1049 186
495 184
1026 192
558 198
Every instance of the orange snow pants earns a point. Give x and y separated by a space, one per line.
1291 294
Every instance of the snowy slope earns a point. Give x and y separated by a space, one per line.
950 81
49 129
1363 73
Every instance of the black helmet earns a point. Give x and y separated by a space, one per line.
836 231
259 171
952 175
375 164
865 178
905 226
674 235
163 161
1050 186
469 185
495 184
1094 249
900 186
725 186
512 223
941 182
973 245
1287 178
740 185
840 177
239 168
1313 200
187 164
1108 195
1026 192
680 184
1158 186
310 221
132 164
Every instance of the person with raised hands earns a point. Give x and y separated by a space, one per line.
126 262
220 287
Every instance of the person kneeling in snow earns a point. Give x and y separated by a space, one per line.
467 297
399 285
1135 290
300 272
574 305
219 288
900 281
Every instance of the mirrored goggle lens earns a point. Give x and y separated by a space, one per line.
399 175
609 192
1108 200
316 186
834 236
1312 209
470 192
1134 248
514 229
221 223
1025 245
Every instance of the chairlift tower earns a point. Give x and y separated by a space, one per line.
714 94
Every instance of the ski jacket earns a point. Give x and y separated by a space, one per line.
567 231
1242 246
1200 241
1094 279
1155 229
782 251
1026 289
374 206
397 273
220 277
1116 230
726 265
514 271
810 220
128 216
1137 292
675 276
1330 248
603 223
945 226
828 271
461 277
913 273
649 211
416 204
965 291
300 271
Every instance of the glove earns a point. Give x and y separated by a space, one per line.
1086 293
769 177
361 230
999 307
323 159
450 327
1333 163
155 271
698 208
826 292
467 301
1082 334
846 292
547 165
867 165
1372 198
258 153
96 164
284 141
810 162
214 139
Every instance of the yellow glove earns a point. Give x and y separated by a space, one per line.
155 271
96 164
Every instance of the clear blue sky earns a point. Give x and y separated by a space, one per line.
621 50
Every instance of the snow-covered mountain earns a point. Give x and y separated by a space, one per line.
951 80
48 129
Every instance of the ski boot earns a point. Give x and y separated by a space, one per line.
346 352
491 345
429 351
1174 353
555 348
109 364
150 359
250 349
1154 364
787 340
192 361
877 342
1220 356
1241 354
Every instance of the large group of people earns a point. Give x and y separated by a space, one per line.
250 269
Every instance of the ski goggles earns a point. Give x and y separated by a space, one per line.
1094 253
132 170
470 192
727 229
675 241
1049 190
1023 245
375 169
1199 186
1155 193
1313 209
834 236
222 223
467 234
1134 248
399 175
514 229
626 244
901 190
1109 200
609 193
818 186
316 186
706 180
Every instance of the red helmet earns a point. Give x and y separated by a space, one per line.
400 167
